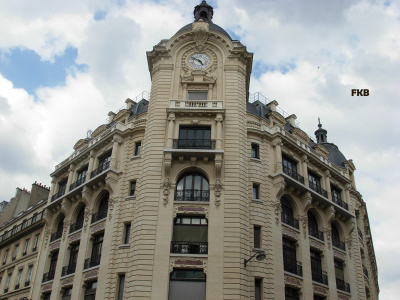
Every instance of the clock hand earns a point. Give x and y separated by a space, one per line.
199 60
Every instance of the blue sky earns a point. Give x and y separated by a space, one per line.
79 60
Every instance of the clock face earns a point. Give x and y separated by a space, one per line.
199 61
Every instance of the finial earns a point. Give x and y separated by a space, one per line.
319 123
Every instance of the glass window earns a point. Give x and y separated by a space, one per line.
289 166
47 296
82 175
339 269
104 162
5 256
257 237
67 293
192 187
187 282
127 233
26 246
190 235
314 180
289 256
138 146
255 150
291 294
8 281
53 262
62 186
16 251
197 95
36 242
336 194
316 266
19 276
132 191
29 275
90 291
97 246
256 191
257 288
121 287
73 256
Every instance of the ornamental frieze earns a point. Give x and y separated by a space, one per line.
91 275
74 238
290 232
190 209
55 246
67 281
47 287
98 227
320 291
343 297
188 263
317 245
293 282
338 254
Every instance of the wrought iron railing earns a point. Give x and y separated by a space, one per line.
289 220
55 236
293 174
340 202
316 233
292 266
100 215
59 194
92 262
189 247
342 285
76 226
318 189
6 290
77 183
339 244
48 276
193 144
100 169
27 283
320 277
365 271
70 269
16 287
24 224
360 235
192 195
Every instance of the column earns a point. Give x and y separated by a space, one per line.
328 184
219 120
53 186
304 161
171 129
70 176
114 153
209 94
277 144
185 94
91 164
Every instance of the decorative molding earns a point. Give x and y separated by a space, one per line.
290 233
98 227
217 192
192 263
66 224
47 287
304 223
338 254
320 291
74 238
190 209
343 297
292 282
328 232
111 203
200 33
67 282
55 246
87 214
316 244
218 165
349 243
277 210
47 234
91 275
166 190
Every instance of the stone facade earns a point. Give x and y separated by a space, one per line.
198 152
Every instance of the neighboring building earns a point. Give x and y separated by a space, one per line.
20 241
173 196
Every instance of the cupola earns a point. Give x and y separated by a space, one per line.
321 134
203 11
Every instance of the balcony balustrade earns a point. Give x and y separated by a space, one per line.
192 195
196 104
318 189
100 215
77 183
342 285
70 269
48 276
189 247
340 202
290 220
293 174
193 144
320 277
76 226
292 266
339 244
55 236
316 233
100 169
60 193
92 262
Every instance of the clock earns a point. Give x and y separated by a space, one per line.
199 61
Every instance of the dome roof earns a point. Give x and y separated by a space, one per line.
212 26
335 155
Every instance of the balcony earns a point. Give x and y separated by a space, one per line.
48 276
289 220
76 226
365 271
77 183
27 283
196 104
193 144
55 236
320 277
189 247
293 267
101 214
16 287
100 169
60 193
340 202
318 189
316 233
24 224
293 174
343 286
70 269
192 195
339 244
92 262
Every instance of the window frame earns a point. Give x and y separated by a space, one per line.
131 184
138 148
257 237
255 151
127 233
256 191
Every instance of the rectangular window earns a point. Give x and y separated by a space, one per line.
19 277
336 194
29 275
53 262
187 282
127 233
61 187
36 242
121 286
73 258
289 256
291 294
255 151
190 235
67 293
314 181
132 191
8 282
90 291
256 191
5 256
257 288
197 95
26 246
104 162
138 146
195 138
15 251
316 266
290 167
257 237
46 296
339 269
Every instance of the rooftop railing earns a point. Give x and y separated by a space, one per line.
196 104
293 174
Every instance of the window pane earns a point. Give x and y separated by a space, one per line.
257 237
257 289
197 95
121 287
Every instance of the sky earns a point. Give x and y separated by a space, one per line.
65 64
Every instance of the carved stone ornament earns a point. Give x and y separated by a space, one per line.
111 203
190 263
277 210
349 243
304 223
87 215
192 209
290 233
328 232
200 33
217 192
66 224
47 234
292 282
218 165
166 190
167 163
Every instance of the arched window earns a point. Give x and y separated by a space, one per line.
103 208
287 214
336 238
192 187
313 227
79 220
56 235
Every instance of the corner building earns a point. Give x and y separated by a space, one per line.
173 196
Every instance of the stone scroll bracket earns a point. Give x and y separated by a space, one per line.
217 192
166 186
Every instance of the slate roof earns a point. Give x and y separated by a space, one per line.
258 108
139 108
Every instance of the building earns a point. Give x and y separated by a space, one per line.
21 233
195 191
